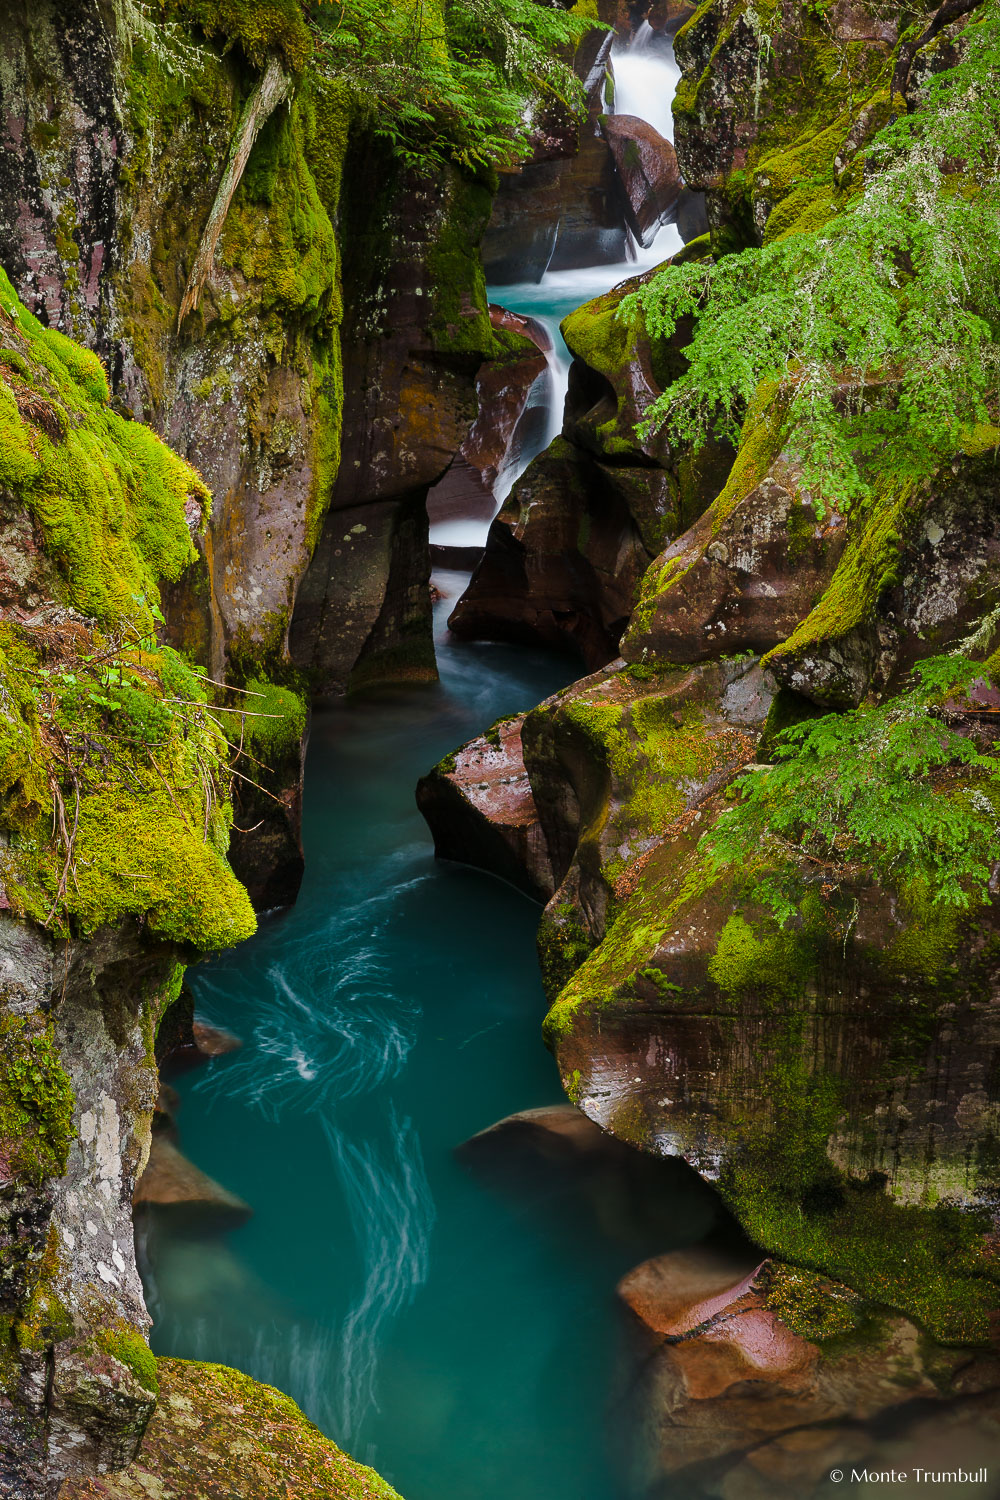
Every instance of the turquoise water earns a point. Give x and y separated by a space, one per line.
461 1337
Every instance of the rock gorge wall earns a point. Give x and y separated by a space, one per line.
290 562
834 1077
116 123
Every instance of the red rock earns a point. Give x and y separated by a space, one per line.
481 811
647 169
170 1182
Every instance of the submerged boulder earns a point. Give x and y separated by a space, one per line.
171 1184
772 1377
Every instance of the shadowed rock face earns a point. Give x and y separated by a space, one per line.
479 807
417 332
533 584
615 1193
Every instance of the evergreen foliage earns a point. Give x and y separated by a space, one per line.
889 791
457 80
880 327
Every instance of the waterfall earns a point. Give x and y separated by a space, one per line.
645 82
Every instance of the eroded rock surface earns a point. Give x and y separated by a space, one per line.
480 809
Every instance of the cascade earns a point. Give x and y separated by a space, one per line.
645 82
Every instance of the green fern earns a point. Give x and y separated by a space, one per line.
891 793
462 81
881 327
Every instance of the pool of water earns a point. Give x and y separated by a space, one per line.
459 1337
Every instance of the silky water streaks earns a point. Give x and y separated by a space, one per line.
391 1014
326 1023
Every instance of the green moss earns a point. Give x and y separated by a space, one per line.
278 733
867 568
803 96
142 856
460 322
927 942
130 1349
258 26
563 945
930 1263
761 441
45 1319
812 1306
765 964
36 1101
217 1432
510 347
108 496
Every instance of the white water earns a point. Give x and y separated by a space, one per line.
645 82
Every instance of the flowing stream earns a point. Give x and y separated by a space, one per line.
645 81
460 1337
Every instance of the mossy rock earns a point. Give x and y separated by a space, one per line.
111 501
216 1432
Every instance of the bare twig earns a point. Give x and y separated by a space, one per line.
273 88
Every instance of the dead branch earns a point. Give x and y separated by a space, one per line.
274 87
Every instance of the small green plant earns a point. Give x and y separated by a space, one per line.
891 793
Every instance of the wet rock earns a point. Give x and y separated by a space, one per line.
768 1379
184 1042
216 1432
647 169
212 1041
479 807
564 208
170 1184
562 561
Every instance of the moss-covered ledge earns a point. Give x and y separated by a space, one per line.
218 1433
